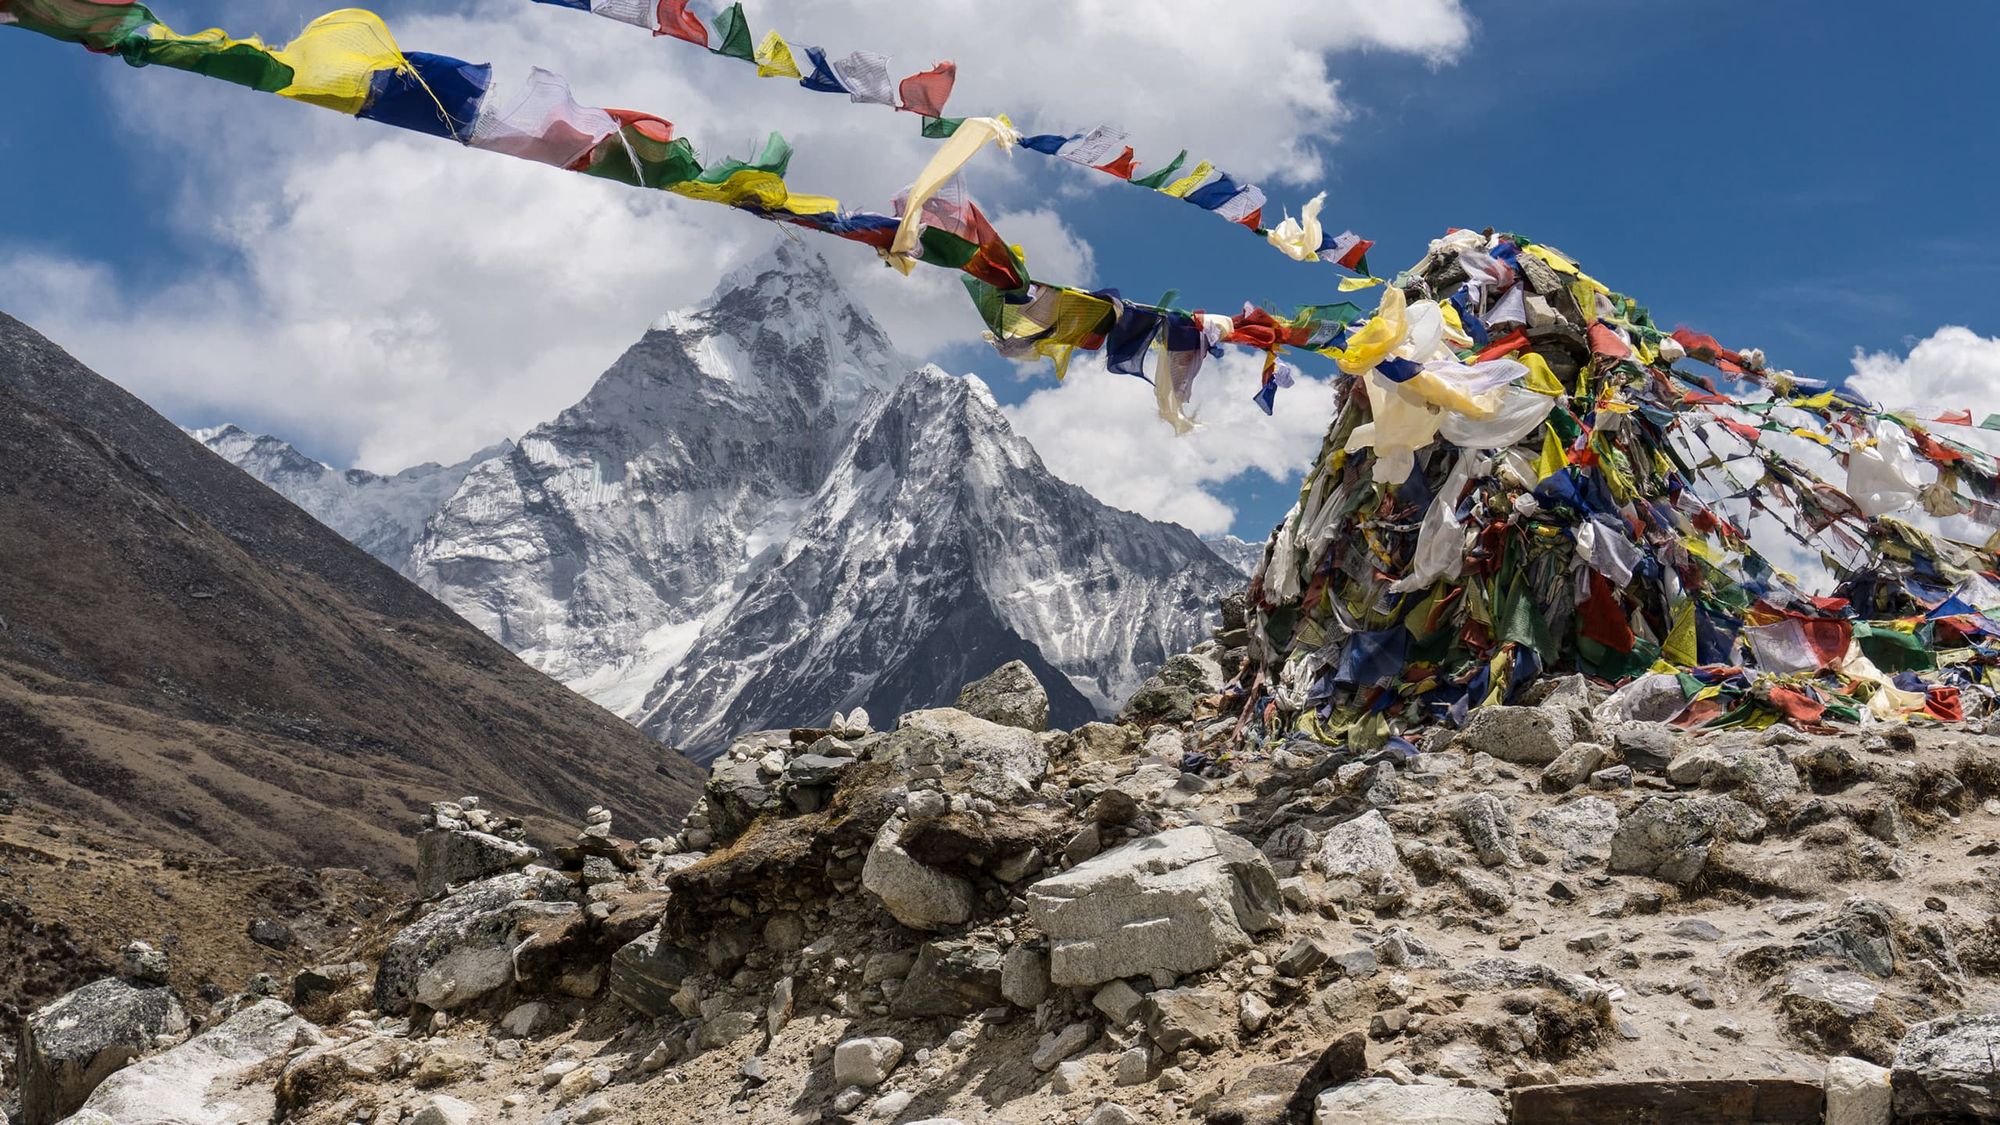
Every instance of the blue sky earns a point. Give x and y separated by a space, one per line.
1810 178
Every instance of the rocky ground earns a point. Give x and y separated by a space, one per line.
1548 916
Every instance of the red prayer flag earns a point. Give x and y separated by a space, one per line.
675 20
1943 703
927 92
1123 167
1605 342
1506 345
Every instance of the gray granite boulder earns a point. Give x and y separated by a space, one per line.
463 948
1010 695
74 1043
207 1080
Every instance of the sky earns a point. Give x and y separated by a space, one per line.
1817 179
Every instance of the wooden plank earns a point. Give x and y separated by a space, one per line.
1717 1101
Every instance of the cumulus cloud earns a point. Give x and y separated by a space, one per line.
1951 368
384 299
1098 430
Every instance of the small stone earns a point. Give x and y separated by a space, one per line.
1057 1046
1069 1078
1118 1001
1858 1093
1132 1067
1252 1013
866 1063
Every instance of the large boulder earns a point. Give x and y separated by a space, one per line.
1531 736
918 896
1579 830
647 971
446 858
1671 839
1006 763
464 948
1761 773
1179 902
71 1045
1945 1069
1010 696
1380 1101
1169 695
206 1080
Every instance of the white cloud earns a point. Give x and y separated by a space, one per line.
1099 430
398 299
1952 368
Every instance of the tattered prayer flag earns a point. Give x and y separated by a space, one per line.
865 77
1347 250
1180 188
938 128
1093 148
436 95
1605 342
774 58
733 28
638 13
927 92
674 19
1992 422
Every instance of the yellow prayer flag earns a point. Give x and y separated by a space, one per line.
1350 284
774 58
335 58
1680 646
1553 458
1180 188
1540 378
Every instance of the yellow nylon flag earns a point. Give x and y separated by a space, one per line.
774 58
1350 284
1370 344
1680 646
1540 378
756 188
335 58
1180 188
1553 458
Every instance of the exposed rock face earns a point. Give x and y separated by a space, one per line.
1180 901
1006 762
72 1045
1946 1067
204 1080
1010 696
920 897
1671 839
692 544
456 847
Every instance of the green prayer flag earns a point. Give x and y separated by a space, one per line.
938 128
732 33
244 64
1159 179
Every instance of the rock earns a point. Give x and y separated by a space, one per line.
952 976
525 1019
140 963
866 1062
1103 742
1118 1001
324 980
1838 1012
1361 847
1858 1093
1487 828
725 1028
1647 747
1761 772
1284 1093
1024 977
1572 767
1861 934
1169 696
1132 1067
443 1109
1583 828
1111 1113
737 792
1069 1078
1304 956
1533 736
1007 763
1709 1101
446 858
646 972
816 769
890 1106
1010 696
74 1043
1178 1019
1059 1045
463 949
1671 839
1179 902
1946 1066
1379 1101
270 934
1252 1013
920 897
220 1075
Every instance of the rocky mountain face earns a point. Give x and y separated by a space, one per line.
1555 915
190 661
382 515
763 513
